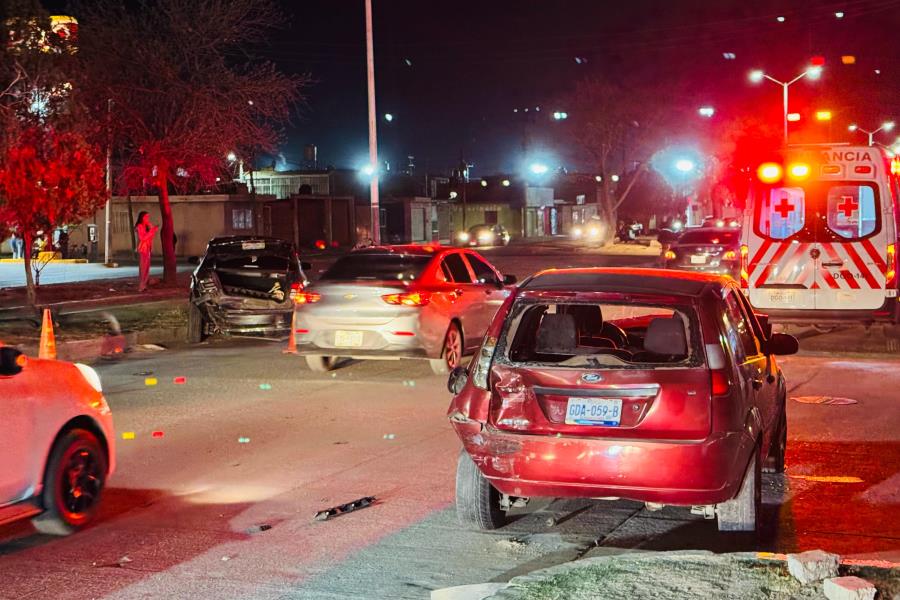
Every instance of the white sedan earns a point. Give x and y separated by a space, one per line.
58 443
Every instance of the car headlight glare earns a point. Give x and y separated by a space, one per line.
463 236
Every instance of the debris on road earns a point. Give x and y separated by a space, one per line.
150 381
258 528
181 379
468 592
340 443
120 564
813 565
335 511
849 588
832 400
143 373
157 434
389 436
127 435
153 347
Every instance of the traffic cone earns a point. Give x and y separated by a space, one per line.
47 349
292 342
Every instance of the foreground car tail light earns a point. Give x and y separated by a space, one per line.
483 363
408 299
295 289
306 297
719 380
890 275
730 255
745 275
670 255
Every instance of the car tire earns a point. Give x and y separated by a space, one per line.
196 325
743 512
451 352
320 363
69 507
477 501
775 460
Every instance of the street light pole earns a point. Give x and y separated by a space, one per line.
785 114
107 234
757 76
886 126
373 138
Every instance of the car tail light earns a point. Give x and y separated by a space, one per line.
307 297
408 299
890 276
670 255
729 255
483 363
719 381
295 289
745 275
769 172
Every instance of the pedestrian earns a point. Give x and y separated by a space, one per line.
17 244
63 243
145 231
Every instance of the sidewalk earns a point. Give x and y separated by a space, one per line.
12 274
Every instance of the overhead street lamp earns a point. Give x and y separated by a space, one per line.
706 111
886 126
757 75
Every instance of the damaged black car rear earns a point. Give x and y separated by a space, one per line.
245 285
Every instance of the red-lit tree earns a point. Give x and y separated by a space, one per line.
48 178
185 88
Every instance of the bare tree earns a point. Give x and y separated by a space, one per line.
186 89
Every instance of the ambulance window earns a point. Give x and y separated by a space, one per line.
852 211
782 212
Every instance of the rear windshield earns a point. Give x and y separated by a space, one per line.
726 238
378 267
820 212
262 262
615 335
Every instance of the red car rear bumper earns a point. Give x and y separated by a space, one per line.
686 473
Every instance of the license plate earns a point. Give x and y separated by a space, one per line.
698 259
782 297
594 411
253 245
351 339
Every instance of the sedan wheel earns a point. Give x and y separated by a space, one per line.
477 501
319 363
451 352
75 476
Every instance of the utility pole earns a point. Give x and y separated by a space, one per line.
373 138
107 237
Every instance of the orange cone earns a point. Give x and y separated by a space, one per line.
292 342
47 349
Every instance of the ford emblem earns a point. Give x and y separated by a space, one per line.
591 377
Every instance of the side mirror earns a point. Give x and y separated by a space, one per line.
782 344
12 361
306 266
509 279
457 380
764 323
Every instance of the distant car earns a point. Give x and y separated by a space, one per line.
590 231
58 442
484 235
244 285
708 250
389 302
719 222
645 384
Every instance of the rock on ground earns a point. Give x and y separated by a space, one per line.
849 588
814 565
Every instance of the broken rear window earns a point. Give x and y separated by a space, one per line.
591 335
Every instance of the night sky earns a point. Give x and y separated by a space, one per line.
451 72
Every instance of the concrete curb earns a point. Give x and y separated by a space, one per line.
92 349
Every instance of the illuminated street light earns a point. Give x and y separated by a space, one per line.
706 111
598 178
483 183
823 115
793 117
614 178
839 14
505 183
813 72
780 19
453 195
886 126
684 165
231 156
560 115
388 117
538 168
368 170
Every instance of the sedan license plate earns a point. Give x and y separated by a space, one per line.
698 259
348 339
594 411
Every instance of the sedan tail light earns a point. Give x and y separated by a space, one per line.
483 363
295 289
670 255
306 297
408 299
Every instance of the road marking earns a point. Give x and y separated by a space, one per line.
828 478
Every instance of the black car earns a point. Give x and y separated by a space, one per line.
711 250
484 235
245 285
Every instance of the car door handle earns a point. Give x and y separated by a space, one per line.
833 264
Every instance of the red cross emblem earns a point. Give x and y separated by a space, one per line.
784 208
848 206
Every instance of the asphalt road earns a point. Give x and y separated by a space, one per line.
254 439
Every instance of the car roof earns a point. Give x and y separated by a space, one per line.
234 239
625 280
415 249
712 230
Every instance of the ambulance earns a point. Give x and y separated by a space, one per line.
819 239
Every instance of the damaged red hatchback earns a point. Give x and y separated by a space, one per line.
643 384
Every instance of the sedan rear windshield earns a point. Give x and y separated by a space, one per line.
262 262
725 238
596 335
377 267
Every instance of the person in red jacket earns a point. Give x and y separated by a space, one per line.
145 231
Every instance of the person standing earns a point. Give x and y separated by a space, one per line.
145 231
17 244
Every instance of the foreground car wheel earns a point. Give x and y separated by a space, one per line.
196 326
451 352
743 512
74 480
319 363
477 501
775 460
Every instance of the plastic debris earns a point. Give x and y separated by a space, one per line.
265 386
259 528
389 436
143 373
180 380
119 563
153 347
243 440
409 383
340 443
157 434
127 435
324 515
150 381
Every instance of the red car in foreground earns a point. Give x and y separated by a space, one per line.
643 384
